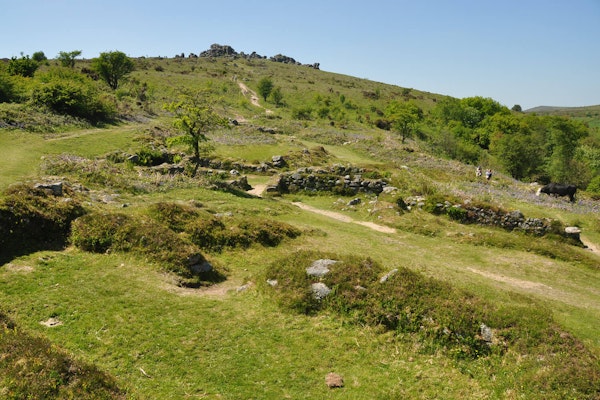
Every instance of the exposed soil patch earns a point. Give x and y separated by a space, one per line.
217 291
589 245
257 190
519 283
51 322
246 91
18 268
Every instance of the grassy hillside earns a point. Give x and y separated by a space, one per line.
423 304
589 114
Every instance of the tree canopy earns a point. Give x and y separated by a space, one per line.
265 86
67 58
194 118
112 67
403 117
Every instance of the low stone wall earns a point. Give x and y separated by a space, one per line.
513 220
337 178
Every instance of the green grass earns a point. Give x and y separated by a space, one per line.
23 152
126 319
126 315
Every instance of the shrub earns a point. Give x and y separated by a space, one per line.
7 88
67 92
594 188
457 213
150 157
302 113
100 232
216 233
32 219
23 66
175 216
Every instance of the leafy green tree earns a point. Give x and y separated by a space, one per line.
23 66
594 187
519 154
448 109
564 138
276 96
403 117
67 59
265 86
112 67
39 57
194 117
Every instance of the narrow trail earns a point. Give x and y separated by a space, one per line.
246 91
257 190
590 246
344 218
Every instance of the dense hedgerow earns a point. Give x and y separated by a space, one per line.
32 219
32 368
215 233
444 318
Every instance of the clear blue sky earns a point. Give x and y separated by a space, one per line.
526 52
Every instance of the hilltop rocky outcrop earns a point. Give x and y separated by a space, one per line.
218 50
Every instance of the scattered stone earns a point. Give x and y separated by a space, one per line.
319 268
202 267
333 380
573 232
278 161
240 183
272 282
54 188
354 202
388 275
320 290
487 334
51 322
243 288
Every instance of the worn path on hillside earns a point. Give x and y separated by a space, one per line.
344 218
258 190
246 91
590 246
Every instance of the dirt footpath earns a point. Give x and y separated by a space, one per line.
344 218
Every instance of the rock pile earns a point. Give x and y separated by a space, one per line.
217 50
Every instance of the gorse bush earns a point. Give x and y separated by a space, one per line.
594 188
8 90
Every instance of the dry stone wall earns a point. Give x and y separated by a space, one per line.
337 178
